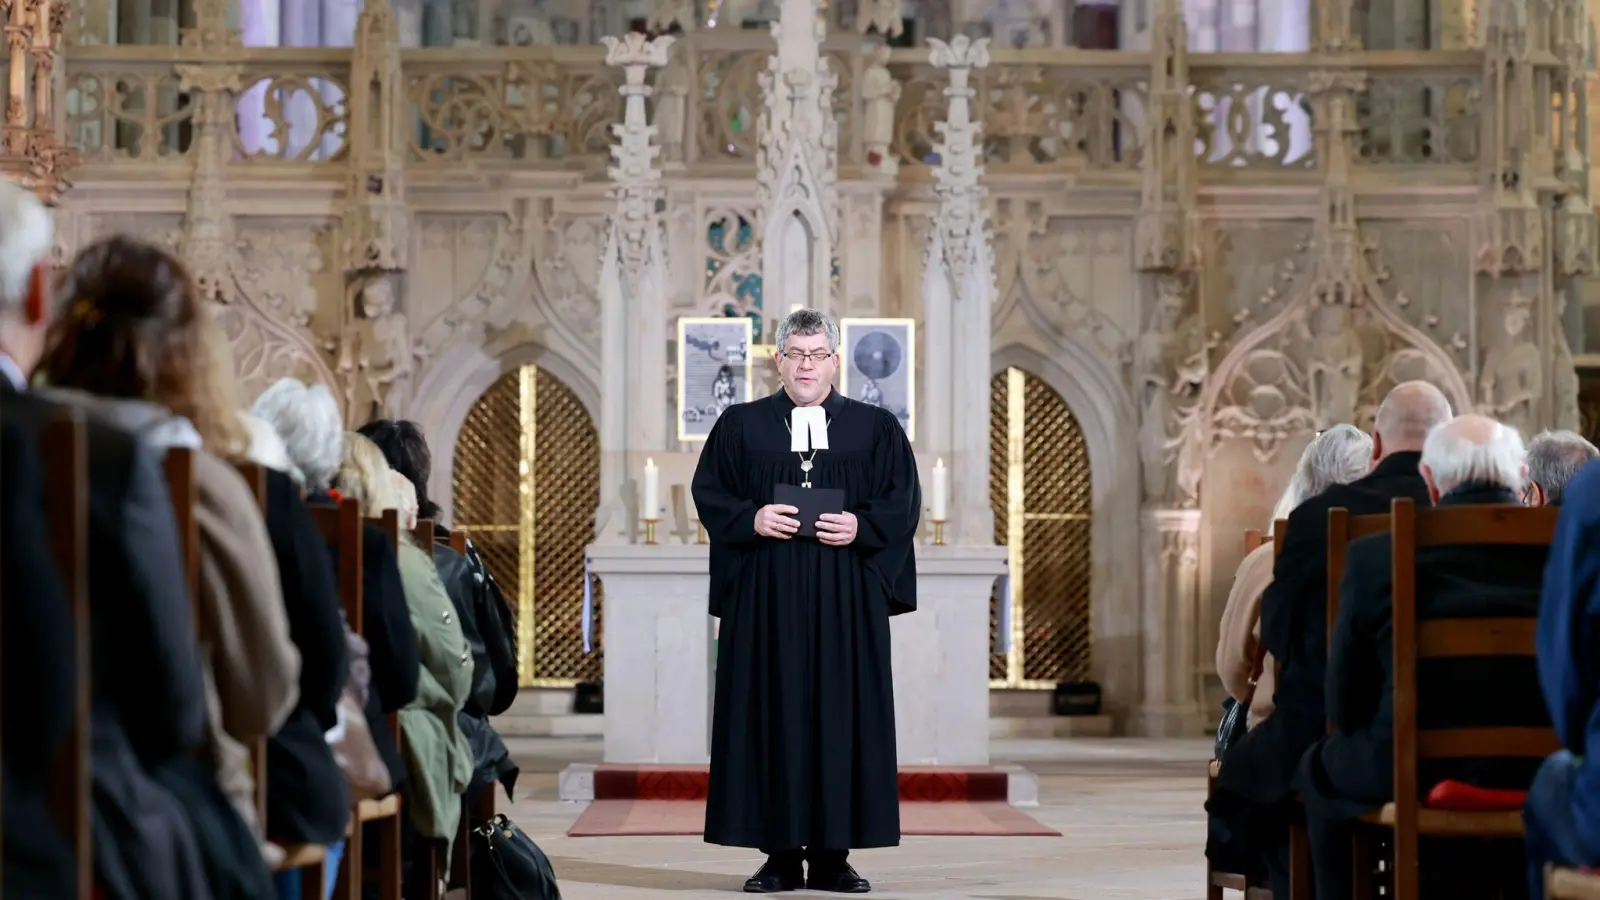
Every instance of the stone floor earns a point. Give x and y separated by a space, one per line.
1129 811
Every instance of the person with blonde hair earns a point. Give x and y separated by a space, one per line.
438 759
136 348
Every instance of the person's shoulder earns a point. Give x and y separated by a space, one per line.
1580 499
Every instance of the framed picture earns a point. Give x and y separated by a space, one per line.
713 371
878 365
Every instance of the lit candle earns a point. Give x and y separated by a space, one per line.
941 490
652 491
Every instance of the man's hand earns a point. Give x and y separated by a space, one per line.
836 529
773 521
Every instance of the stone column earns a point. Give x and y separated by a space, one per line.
634 287
958 294
34 154
1170 548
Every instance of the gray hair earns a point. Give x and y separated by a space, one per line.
1339 455
806 322
1554 457
27 235
307 418
1474 449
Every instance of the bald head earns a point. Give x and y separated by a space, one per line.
1411 410
1474 450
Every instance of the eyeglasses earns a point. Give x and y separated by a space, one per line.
819 356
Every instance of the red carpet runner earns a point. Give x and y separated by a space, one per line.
670 800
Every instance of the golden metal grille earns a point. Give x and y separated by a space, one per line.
527 480
1040 489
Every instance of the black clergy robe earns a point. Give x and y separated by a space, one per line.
802 735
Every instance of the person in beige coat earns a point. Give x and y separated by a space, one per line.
1339 455
137 348
438 757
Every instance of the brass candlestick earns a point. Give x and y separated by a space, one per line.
650 530
938 532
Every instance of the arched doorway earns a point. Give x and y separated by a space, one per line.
1040 488
526 483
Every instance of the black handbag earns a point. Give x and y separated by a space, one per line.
508 865
1236 713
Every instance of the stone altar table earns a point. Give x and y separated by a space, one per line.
658 655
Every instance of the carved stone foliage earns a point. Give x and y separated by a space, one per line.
1250 271
1070 277
1315 366
1428 274
270 322
494 280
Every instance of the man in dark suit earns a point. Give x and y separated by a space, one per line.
1253 788
40 677
149 705
1471 460
1553 458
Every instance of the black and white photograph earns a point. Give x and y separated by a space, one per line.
877 365
713 371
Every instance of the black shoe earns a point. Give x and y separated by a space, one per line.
841 879
775 876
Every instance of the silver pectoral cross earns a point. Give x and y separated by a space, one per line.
805 469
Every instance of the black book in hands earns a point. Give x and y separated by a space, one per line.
812 503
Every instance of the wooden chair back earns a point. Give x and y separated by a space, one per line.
1279 526
341 528
255 477
458 541
1342 529
422 533
1252 539
64 451
1414 641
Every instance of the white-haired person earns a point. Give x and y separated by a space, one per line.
153 711
309 421
136 348
308 801
1471 460
1339 455
1553 458
1254 791
436 750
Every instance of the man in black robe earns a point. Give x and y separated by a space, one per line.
802 738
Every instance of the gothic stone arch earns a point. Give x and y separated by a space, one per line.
456 381
1098 400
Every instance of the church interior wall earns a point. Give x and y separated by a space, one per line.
499 225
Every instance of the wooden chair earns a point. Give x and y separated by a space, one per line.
1415 641
341 527
1342 529
311 860
63 449
1570 884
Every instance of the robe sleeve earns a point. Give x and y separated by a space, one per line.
720 498
886 524
721 502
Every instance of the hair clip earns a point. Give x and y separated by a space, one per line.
84 311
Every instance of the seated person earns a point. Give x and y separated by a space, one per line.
1340 455
1253 793
1563 810
1471 460
1553 458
